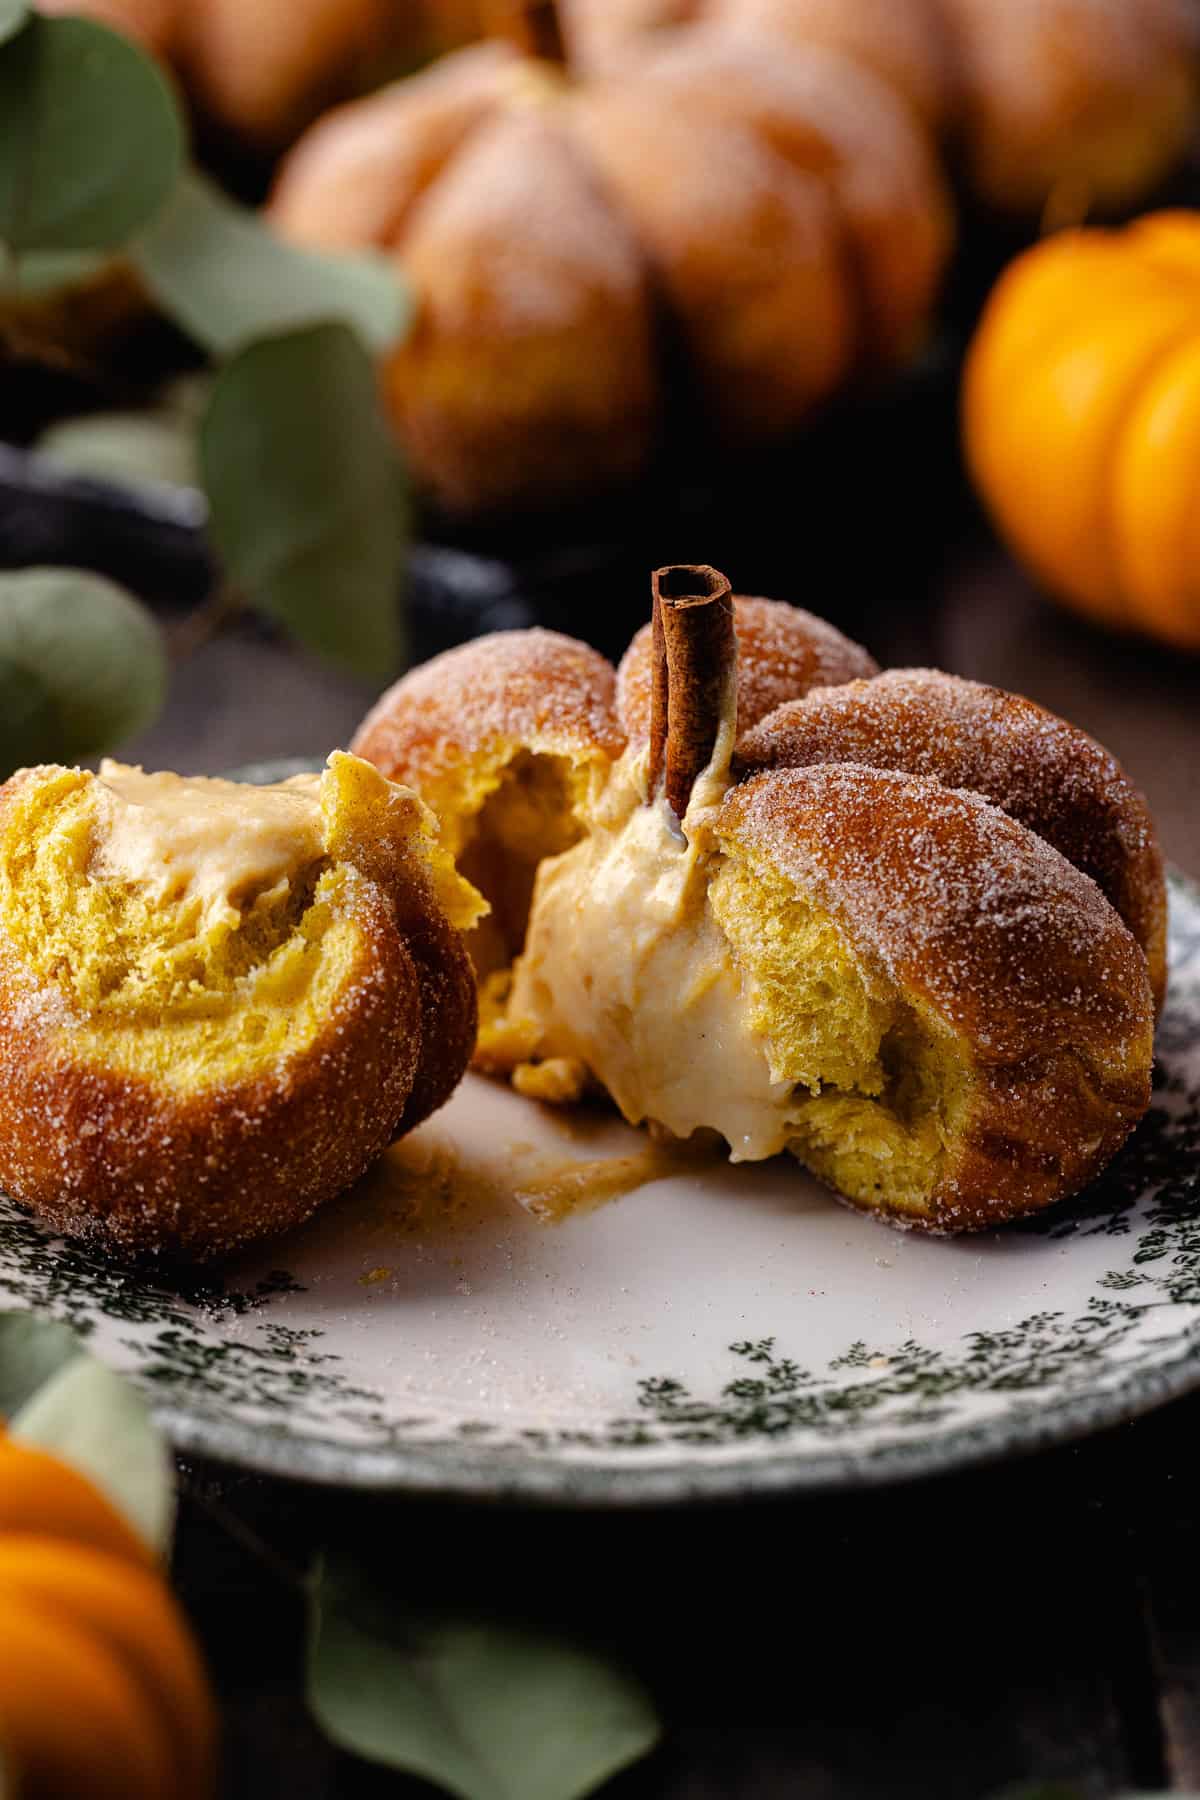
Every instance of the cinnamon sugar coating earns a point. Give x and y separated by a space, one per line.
475 707
783 652
826 118
1036 767
906 46
119 1162
992 937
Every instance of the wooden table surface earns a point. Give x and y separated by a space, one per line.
1037 1620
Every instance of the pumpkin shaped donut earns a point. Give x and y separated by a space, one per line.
1081 104
888 976
1047 774
218 1003
781 222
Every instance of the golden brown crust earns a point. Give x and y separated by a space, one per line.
783 652
143 1171
992 936
828 118
449 1010
1036 767
905 46
355 176
746 251
529 368
476 706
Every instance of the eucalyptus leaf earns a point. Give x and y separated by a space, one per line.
137 449
47 272
55 1395
227 279
28 716
91 137
487 1711
307 507
32 1349
92 659
13 14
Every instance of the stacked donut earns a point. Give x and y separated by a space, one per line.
907 926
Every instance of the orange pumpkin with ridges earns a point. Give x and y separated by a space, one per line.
1081 420
101 1688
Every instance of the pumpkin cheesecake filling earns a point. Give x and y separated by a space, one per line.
196 931
704 994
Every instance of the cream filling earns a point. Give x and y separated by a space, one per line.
626 969
218 844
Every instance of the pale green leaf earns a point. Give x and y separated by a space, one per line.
13 14
307 508
91 658
227 279
31 1351
57 1396
486 1711
48 272
28 715
91 138
136 449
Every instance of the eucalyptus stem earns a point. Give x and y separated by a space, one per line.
204 623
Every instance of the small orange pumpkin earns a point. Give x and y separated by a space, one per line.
101 1687
1081 420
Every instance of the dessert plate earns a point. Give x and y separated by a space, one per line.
522 1304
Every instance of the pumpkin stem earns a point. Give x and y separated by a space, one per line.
533 26
694 682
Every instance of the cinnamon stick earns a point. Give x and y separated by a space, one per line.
532 26
694 683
